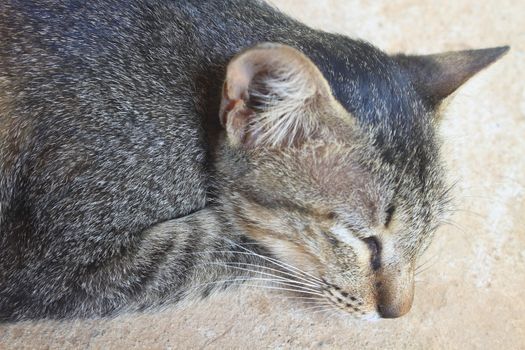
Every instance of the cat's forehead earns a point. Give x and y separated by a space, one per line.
365 80
340 168
380 97
374 89
330 172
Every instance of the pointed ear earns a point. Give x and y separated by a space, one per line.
271 97
437 76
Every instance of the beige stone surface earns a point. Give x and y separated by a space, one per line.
472 296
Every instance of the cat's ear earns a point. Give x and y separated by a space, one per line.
437 76
271 97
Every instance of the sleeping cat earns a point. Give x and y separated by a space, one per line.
153 151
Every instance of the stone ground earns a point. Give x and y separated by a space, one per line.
472 296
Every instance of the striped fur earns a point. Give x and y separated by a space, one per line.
120 190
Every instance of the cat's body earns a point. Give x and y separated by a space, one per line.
117 183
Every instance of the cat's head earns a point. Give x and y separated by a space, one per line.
348 195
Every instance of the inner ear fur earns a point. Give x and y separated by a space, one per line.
272 96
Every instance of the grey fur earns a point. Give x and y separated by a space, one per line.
117 190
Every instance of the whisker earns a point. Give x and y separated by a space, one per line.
298 300
326 309
318 302
233 280
289 281
417 273
337 315
430 262
249 253
315 307
311 283
454 225
470 212
431 259
304 298
277 262
284 289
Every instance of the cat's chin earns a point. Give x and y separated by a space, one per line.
371 317
368 317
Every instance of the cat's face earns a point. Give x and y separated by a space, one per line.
317 190
331 212
335 211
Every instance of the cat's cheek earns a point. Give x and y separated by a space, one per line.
293 255
352 293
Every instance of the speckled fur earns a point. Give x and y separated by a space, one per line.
120 191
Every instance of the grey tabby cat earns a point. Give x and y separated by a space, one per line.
153 151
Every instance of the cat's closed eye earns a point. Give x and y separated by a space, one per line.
375 251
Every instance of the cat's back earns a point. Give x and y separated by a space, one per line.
103 102
100 133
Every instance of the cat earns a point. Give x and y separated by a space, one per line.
155 151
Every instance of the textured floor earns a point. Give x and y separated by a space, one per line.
472 296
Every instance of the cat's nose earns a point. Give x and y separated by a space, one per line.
395 293
393 310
